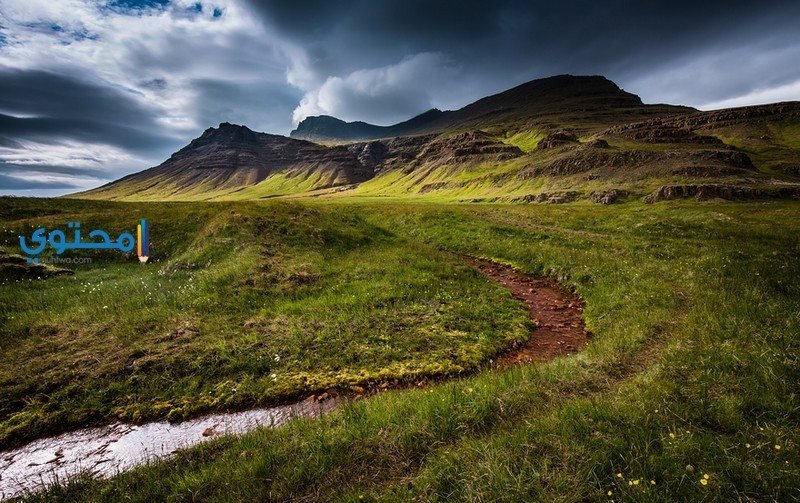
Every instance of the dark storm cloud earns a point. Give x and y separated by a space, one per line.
501 43
248 103
22 184
53 129
48 107
49 110
21 170
572 33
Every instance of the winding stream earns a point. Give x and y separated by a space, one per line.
109 450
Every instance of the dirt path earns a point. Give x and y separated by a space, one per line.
108 450
554 310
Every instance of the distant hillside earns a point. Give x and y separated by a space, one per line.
550 140
327 128
590 97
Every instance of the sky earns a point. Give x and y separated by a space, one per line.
91 90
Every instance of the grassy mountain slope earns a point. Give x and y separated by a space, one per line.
229 159
552 139
755 146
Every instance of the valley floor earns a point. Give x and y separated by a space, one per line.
687 389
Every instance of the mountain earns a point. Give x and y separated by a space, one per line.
553 140
232 158
582 96
327 128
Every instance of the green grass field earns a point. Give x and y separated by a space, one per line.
687 391
241 304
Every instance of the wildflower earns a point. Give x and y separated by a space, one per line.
705 476
704 482
652 482
777 447
610 492
619 475
636 482
671 435
105 307
747 445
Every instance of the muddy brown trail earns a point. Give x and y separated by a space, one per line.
555 311
108 450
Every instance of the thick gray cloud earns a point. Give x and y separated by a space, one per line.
695 53
57 130
45 105
15 183
92 90
255 103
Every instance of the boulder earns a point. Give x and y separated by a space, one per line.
551 197
607 196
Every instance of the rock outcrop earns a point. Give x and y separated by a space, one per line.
552 197
660 131
718 191
609 162
607 196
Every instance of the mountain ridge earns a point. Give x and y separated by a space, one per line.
564 133
540 95
319 127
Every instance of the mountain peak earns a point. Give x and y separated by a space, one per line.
228 125
566 93
226 132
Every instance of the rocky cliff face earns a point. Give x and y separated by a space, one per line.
232 147
431 151
230 157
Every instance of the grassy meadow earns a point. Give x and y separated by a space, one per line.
240 305
687 391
